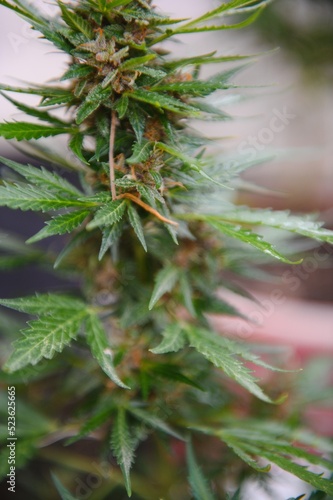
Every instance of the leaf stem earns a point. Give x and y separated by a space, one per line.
148 208
111 155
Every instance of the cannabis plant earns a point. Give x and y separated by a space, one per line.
145 396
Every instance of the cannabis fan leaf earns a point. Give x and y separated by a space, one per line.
127 357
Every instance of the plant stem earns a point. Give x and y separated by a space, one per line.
111 158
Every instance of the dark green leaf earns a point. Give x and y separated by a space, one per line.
209 345
60 225
101 349
63 492
76 22
173 339
198 482
164 282
162 101
44 337
137 225
123 446
154 421
111 213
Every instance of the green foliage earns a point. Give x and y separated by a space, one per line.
197 481
130 355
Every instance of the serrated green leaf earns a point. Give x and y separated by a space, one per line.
35 199
101 349
76 145
93 422
43 178
198 482
61 224
121 106
41 304
135 62
208 344
199 88
173 340
44 337
209 58
63 492
110 236
304 225
253 239
137 120
243 24
123 447
93 100
154 421
141 152
243 455
46 92
187 293
79 239
77 71
164 282
300 471
76 22
26 131
33 111
162 101
111 213
137 225
172 372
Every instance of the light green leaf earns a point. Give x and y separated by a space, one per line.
94 99
123 447
187 293
77 71
153 421
247 22
304 225
198 482
173 340
208 344
243 455
192 163
135 62
162 101
101 349
46 336
137 120
76 22
43 178
111 213
26 131
63 492
31 198
164 282
91 423
33 111
205 59
110 235
60 225
223 9
76 145
137 225
40 304
199 88
247 236
141 152
121 106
